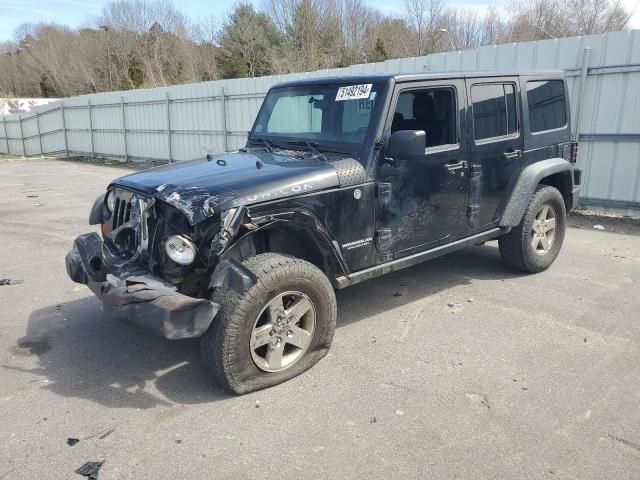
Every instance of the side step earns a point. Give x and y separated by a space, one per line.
411 260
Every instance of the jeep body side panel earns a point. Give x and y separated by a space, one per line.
543 152
526 184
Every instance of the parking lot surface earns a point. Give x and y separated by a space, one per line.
456 368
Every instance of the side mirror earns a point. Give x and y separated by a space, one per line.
407 143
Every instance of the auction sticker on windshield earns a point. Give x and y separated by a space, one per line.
353 92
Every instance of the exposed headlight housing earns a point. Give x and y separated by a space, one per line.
180 249
110 202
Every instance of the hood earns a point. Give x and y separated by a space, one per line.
202 188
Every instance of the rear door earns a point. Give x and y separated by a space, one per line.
496 146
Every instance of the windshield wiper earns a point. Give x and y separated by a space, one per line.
311 146
267 144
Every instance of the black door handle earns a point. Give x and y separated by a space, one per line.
512 154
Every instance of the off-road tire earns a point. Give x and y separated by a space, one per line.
225 347
516 248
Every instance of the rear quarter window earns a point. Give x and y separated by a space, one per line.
547 105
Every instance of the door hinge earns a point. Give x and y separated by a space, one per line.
383 240
383 193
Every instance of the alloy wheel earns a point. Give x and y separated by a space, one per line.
283 331
543 230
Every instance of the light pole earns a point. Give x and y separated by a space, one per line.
13 82
444 30
106 31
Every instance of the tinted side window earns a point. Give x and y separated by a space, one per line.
494 110
547 108
432 110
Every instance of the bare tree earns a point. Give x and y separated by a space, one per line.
424 17
151 43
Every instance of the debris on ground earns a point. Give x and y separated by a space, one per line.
72 441
397 294
479 399
454 305
470 299
10 281
599 227
257 403
624 441
90 470
399 412
373 420
106 434
38 204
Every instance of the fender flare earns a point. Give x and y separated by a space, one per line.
99 212
526 185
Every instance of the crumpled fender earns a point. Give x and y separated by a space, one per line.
232 274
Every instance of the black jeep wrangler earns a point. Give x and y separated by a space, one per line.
341 180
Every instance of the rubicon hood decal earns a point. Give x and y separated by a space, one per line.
202 188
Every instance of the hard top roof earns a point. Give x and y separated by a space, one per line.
413 77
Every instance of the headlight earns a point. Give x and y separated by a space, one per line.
111 201
180 249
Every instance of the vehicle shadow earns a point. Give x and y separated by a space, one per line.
83 354
418 282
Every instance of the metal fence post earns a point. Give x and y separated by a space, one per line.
168 125
24 150
581 90
223 106
124 130
64 130
6 134
93 149
39 136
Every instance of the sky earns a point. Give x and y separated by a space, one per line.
77 12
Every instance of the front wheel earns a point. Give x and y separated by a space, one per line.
534 244
276 330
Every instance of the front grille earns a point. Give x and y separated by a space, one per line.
122 211
130 217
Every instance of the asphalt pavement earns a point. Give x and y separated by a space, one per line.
456 368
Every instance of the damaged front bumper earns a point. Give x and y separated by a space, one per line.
133 295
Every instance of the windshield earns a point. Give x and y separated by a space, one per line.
329 115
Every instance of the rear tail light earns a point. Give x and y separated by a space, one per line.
574 152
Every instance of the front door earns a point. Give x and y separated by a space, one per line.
422 201
496 146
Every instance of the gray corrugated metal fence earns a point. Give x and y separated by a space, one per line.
186 121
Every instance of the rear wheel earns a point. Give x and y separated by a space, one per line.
276 330
534 244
